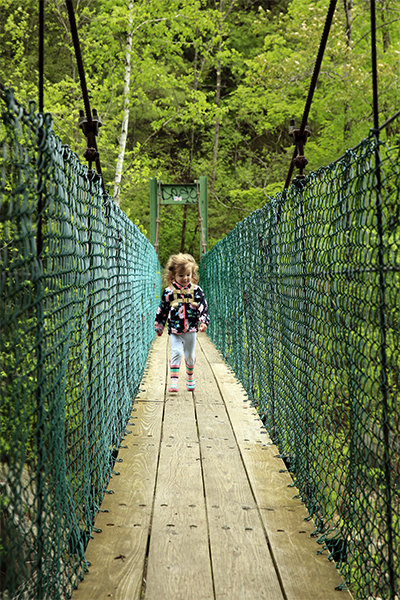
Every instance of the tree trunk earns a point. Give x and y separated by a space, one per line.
348 7
385 28
217 122
195 86
125 121
191 149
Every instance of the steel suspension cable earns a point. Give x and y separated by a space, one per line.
39 434
78 55
91 136
317 67
41 55
382 315
374 68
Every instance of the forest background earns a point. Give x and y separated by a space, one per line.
201 87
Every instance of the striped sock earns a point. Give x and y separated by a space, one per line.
190 382
174 369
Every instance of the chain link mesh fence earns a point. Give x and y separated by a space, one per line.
304 301
78 293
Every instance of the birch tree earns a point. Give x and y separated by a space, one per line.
125 121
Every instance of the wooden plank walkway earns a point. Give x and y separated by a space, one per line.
200 509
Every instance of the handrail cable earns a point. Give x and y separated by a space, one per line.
41 55
388 121
379 130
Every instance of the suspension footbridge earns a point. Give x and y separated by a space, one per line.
202 506
304 304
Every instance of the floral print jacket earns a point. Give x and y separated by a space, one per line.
185 317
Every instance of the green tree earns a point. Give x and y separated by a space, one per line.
212 88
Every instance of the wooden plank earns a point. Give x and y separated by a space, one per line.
206 391
303 573
179 560
117 554
243 568
155 377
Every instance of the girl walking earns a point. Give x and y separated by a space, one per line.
184 305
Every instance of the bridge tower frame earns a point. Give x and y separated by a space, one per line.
174 194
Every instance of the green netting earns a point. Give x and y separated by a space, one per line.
304 301
78 295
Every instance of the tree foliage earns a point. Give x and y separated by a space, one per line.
213 86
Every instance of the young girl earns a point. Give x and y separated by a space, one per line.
184 305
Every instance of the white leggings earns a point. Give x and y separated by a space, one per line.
184 343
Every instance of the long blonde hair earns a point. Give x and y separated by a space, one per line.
177 263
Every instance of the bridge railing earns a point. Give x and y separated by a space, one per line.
78 295
304 297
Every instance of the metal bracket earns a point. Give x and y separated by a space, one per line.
91 130
299 139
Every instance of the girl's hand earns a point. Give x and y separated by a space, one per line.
203 327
